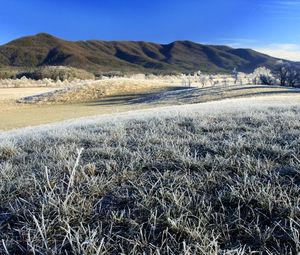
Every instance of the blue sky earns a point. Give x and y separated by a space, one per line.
270 26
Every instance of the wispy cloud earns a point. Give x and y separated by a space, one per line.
285 51
281 10
280 4
236 42
288 3
288 51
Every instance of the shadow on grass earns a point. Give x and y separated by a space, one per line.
131 98
191 95
235 88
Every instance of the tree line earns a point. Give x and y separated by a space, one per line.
284 74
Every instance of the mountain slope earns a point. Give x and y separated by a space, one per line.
183 56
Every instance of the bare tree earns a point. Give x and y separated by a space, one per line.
282 73
235 75
266 79
189 80
293 78
287 74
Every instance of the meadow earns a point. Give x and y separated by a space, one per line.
25 102
214 178
132 166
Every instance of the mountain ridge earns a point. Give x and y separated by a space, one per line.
129 56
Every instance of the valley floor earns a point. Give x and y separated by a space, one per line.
17 115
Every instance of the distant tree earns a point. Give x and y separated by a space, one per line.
263 75
211 80
287 74
189 80
203 80
266 80
183 80
235 75
282 71
199 73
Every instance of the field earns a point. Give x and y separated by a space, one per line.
17 115
149 168
214 178
106 97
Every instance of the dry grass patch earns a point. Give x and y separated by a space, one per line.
92 91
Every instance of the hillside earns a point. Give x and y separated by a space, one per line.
184 56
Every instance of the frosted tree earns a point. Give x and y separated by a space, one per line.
235 75
202 78
287 74
262 75
189 78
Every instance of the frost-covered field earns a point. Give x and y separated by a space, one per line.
85 98
212 107
215 178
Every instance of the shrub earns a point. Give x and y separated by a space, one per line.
8 73
57 73
266 80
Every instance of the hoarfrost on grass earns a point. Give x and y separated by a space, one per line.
178 180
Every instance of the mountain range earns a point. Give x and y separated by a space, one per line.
129 56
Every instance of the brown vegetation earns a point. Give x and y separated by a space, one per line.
126 56
55 73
